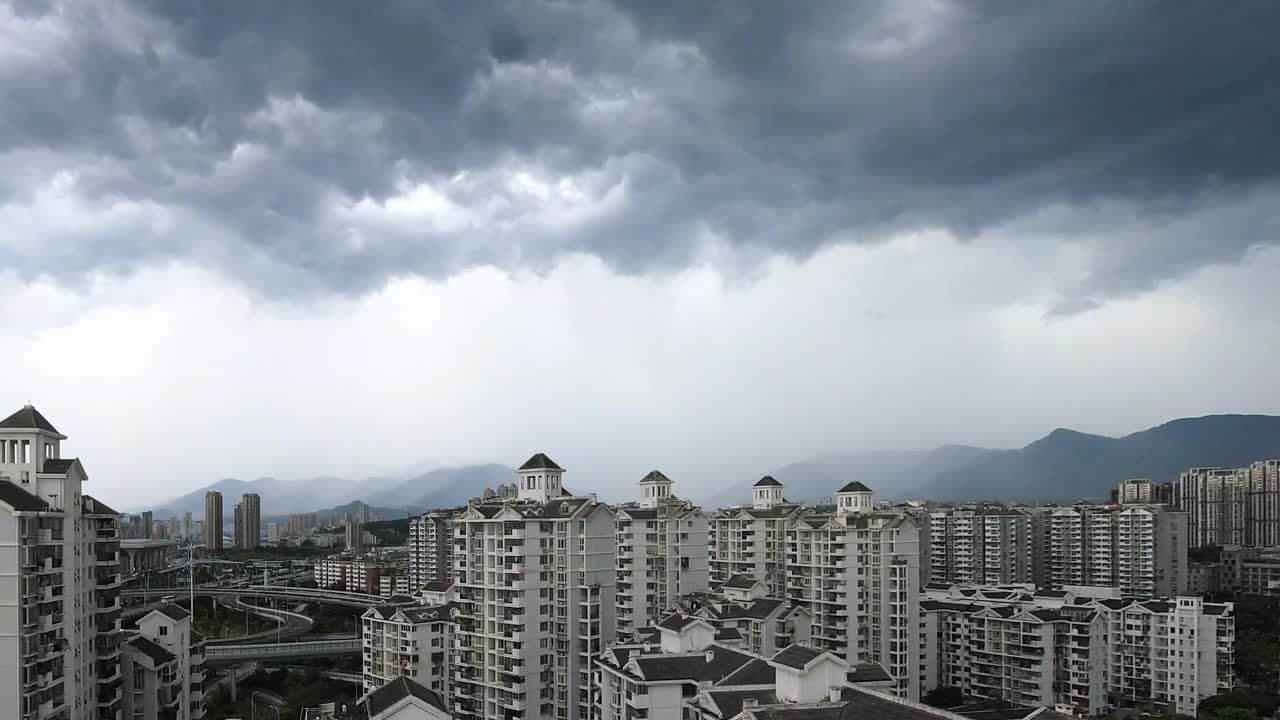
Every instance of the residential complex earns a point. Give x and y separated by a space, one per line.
1232 507
431 548
1140 549
661 553
213 520
535 578
751 541
60 619
1055 647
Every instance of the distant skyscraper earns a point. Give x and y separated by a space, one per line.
148 524
430 548
213 520
187 528
354 532
237 524
251 506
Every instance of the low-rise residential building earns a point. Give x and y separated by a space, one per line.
352 575
163 666
413 641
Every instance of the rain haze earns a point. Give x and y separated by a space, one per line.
246 239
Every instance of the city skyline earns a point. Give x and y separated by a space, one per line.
631 232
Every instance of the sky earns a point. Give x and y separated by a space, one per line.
292 239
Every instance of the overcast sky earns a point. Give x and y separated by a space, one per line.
299 238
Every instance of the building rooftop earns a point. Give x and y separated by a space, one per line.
147 647
655 476
28 418
796 656
393 692
767 481
58 466
854 486
540 462
19 499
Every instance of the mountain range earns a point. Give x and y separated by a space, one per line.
1063 466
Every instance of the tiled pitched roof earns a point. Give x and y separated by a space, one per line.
393 692
19 499
540 461
149 648
28 418
709 666
796 656
58 466
767 481
855 486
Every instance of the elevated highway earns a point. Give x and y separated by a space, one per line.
216 654
335 597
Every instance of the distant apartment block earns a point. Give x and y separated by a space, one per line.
981 544
1140 549
430 548
249 534
213 520
1232 507
413 641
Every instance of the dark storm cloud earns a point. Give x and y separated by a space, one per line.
768 126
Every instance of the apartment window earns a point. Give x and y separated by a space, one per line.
164 630
26 451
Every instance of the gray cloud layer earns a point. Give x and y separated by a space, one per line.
274 140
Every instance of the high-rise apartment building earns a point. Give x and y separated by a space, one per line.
60 616
751 541
857 572
163 667
148 524
1232 507
213 520
250 535
1141 549
353 534
188 527
430 548
237 526
983 545
535 577
662 553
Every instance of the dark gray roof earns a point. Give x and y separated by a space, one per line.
655 476
803 712
676 622
157 654
756 672
723 634
739 581
767 481
540 462
1214 609
93 506
175 612
427 613
869 672
730 701
641 513
855 486
796 656
438 585
860 705
58 466
28 418
196 638
393 692
19 499
696 668
758 609
1051 593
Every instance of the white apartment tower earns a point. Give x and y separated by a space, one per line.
430 548
1138 491
751 541
857 572
1238 506
60 607
662 553
535 579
